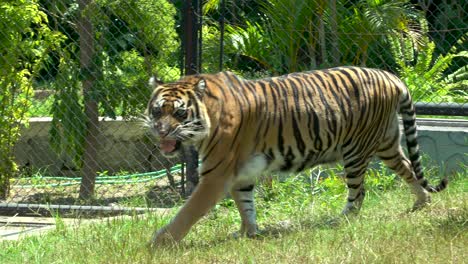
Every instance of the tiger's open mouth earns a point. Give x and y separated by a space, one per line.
169 147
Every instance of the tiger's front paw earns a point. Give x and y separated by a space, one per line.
251 232
161 237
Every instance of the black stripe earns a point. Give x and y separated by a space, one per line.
288 159
408 123
411 144
354 186
338 98
295 93
350 78
270 156
352 163
320 90
318 144
297 135
389 157
280 137
414 156
347 143
284 93
410 131
355 175
214 167
247 188
306 161
210 142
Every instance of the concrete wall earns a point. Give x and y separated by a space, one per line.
125 146
445 143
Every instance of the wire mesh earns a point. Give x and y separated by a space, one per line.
88 65
67 61
423 42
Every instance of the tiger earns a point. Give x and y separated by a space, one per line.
245 128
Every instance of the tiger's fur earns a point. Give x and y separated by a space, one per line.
243 128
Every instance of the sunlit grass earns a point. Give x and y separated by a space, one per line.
300 223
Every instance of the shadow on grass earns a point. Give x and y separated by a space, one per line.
449 220
157 196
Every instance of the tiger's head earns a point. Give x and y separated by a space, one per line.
176 113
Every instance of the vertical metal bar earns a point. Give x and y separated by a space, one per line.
190 38
192 52
199 28
221 37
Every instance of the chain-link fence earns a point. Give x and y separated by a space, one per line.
424 42
86 66
78 71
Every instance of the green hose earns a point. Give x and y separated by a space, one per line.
121 179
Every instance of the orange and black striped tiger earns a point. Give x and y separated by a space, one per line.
243 128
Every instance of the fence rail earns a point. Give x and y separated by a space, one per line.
443 109
93 58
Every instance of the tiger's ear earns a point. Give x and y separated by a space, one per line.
154 82
200 88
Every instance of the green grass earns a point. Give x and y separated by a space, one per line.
383 232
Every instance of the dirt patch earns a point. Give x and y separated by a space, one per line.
151 194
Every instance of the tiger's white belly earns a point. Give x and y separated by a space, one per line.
259 164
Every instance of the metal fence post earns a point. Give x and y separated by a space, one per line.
192 54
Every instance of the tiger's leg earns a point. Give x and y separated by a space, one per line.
243 195
392 155
210 189
355 169
242 192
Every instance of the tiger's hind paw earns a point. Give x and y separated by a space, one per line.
239 234
421 203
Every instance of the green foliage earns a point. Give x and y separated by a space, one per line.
451 15
425 74
250 43
291 26
69 121
366 26
132 41
292 35
146 28
25 41
41 107
211 49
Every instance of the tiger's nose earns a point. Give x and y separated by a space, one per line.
162 129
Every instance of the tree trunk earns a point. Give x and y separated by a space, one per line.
322 41
335 50
6 170
90 166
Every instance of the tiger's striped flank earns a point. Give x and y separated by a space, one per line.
246 128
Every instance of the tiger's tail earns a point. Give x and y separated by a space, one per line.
408 113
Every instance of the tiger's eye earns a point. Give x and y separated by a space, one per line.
181 113
156 112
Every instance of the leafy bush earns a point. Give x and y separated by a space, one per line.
250 44
25 41
132 41
425 75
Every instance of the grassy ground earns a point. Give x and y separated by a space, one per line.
300 226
